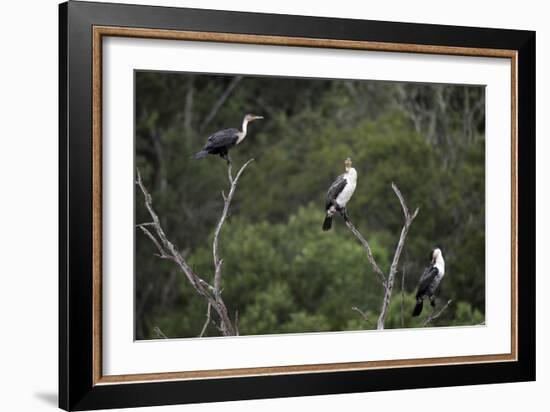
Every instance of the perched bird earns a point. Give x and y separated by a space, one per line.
339 194
429 281
220 142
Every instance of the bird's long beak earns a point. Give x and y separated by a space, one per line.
258 117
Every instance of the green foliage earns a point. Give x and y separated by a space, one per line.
281 273
466 315
275 271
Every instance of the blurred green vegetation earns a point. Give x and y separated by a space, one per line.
281 273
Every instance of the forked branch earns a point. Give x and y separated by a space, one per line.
393 268
167 250
434 315
226 204
388 281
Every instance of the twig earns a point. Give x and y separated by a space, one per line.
370 257
159 333
155 241
363 314
393 269
207 320
435 315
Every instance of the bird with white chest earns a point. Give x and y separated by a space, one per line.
220 142
430 280
339 194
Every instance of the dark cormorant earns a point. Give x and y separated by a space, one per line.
429 281
220 142
339 194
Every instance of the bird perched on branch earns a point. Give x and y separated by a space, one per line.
339 194
430 280
220 142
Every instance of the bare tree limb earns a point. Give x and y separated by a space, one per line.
389 281
159 333
229 173
393 269
207 321
434 315
226 204
167 250
162 253
370 257
167 245
363 314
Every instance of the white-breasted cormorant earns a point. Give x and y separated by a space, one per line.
220 142
339 194
429 281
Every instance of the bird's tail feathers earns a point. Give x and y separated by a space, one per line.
327 224
201 154
418 308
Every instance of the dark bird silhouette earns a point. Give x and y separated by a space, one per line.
339 194
429 281
220 142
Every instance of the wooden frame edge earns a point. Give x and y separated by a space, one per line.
297 369
97 235
98 32
514 200
219 37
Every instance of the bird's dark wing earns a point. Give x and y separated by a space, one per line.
335 188
430 273
226 137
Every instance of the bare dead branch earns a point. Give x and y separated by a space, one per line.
167 250
218 277
393 268
363 314
162 253
167 246
146 224
434 315
207 321
406 213
159 333
370 257
229 173
226 204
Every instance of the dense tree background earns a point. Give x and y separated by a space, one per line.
281 272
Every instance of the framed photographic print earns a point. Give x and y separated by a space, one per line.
257 205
